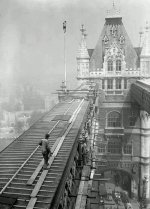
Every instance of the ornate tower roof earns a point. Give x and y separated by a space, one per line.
83 51
146 44
113 32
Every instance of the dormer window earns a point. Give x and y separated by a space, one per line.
110 65
118 65
105 39
113 30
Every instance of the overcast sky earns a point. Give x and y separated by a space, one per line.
32 39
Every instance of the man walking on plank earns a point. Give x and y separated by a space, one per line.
46 152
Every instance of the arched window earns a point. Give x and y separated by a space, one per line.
110 65
114 119
118 65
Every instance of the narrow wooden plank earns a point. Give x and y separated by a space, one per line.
41 179
50 161
38 169
31 203
36 172
55 144
39 184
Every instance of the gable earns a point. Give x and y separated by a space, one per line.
113 31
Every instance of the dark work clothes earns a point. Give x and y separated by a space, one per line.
45 150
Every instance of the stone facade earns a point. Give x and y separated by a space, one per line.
114 65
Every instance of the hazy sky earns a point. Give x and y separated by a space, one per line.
32 38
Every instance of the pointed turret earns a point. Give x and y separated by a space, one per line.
146 44
145 53
141 37
83 57
83 51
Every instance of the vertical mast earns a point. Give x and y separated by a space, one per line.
65 66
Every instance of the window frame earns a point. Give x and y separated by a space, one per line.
118 83
125 83
103 84
127 149
118 65
110 66
109 85
132 118
114 122
114 145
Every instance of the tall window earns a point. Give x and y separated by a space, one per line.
102 148
125 83
114 144
118 83
110 65
114 147
118 65
114 119
109 84
103 84
132 118
127 149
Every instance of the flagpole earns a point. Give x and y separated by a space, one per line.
65 66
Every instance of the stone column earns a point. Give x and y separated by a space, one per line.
122 84
114 84
134 191
105 84
145 157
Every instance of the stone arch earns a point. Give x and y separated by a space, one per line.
124 180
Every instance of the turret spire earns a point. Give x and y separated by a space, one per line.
82 57
82 29
141 37
146 44
83 52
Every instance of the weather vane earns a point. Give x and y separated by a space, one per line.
82 29
114 12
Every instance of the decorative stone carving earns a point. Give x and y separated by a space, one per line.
65 199
70 181
145 119
114 53
105 39
114 30
74 169
122 39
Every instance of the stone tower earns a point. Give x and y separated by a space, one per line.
114 64
145 54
